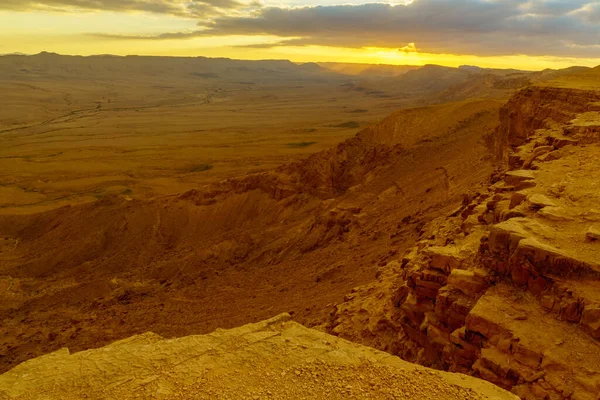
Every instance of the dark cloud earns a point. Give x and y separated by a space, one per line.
193 8
440 26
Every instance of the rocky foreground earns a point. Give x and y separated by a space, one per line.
273 359
507 287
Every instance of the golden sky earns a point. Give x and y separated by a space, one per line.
524 34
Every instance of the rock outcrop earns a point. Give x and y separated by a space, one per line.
507 287
273 359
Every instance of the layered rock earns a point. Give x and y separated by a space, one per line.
507 287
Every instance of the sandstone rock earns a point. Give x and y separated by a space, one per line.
590 319
537 339
516 199
514 178
554 155
559 143
496 361
593 233
509 214
540 392
452 307
591 215
433 275
505 236
437 336
540 201
467 281
547 302
537 152
435 286
571 310
470 222
444 258
515 161
527 356
548 260
478 322
557 214
525 185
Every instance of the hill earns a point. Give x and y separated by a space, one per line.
368 70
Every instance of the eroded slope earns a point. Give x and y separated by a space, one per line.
295 239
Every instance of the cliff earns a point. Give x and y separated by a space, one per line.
506 287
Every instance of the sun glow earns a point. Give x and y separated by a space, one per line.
33 32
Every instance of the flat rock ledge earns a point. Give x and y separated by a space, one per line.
273 359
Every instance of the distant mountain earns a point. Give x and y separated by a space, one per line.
53 65
368 70
437 84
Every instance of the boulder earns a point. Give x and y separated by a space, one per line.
516 199
540 201
590 320
593 233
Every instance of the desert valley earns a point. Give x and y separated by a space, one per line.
324 218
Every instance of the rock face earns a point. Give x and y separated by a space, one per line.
541 108
507 288
273 359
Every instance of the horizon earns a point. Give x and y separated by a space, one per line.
45 52
519 34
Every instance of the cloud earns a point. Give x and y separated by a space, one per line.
590 13
409 48
481 27
190 9
552 7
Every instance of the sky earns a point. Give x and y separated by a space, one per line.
525 34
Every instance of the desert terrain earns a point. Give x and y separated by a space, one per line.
75 129
417 212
